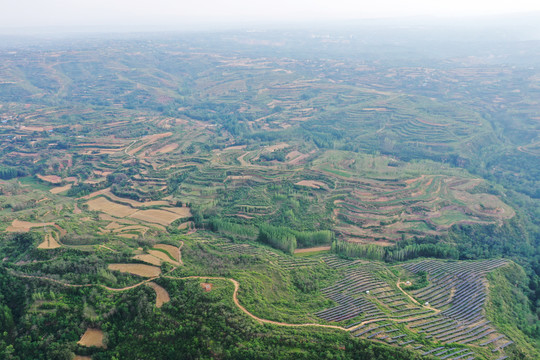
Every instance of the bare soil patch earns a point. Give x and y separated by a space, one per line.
96 193
25 226
147 140
311 184
173 250
53 179
207 286
313 249
92 337
182 211
410 181
163 257
128 236
273 148
137 269
236 147
293 154
133 228
162 296
148 258
185 225
133 203
167 149
104 205
49 242
161 217
60 189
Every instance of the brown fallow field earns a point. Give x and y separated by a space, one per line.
25 226
166 149
312 184
60 189
49 242
137 269
162 296
148 258
173 250
53 179
92 337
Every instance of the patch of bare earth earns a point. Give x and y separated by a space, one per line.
173 250
137 269
236 147
49 242
53 179
148 258
25 226
161 217
166 149
59 189
104 205
313 249
207 286
163 257
162 296
311 184
92 337
273 148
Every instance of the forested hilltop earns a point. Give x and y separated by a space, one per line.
339 194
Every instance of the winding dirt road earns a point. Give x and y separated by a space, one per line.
235 296
414 300
235 299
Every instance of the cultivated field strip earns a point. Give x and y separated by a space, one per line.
285 262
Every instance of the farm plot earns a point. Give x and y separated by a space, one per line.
137 269
163 256
162 216
60 189
49 242
52 179
172 250
102 204
312 184
162 296
25 226
148 258
166 149
92 337
383 210
145 141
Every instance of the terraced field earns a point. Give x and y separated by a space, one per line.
110 166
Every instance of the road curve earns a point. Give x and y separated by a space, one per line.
235 299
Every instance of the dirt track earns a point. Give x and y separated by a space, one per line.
235 299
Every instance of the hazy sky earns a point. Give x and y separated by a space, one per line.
39 13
